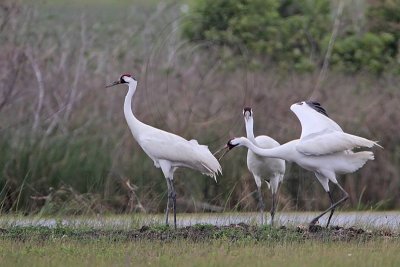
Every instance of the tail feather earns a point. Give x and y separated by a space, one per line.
211 164
206 159
356 160
212 172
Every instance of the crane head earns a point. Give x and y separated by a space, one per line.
125 78
233 143
226 148
247 113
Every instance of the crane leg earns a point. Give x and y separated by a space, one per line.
274 203
273 208
173 197
332 210
332 207
168 203
261 204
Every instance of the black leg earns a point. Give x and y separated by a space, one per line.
168 203
173 196
332 207
261 204
273 208
332 210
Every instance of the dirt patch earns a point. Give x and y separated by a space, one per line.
234 232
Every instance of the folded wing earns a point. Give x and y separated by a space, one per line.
180 152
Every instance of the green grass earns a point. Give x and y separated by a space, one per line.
59 252
198 245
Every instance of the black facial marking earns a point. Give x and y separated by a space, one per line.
317 107
247 109
122 80
229 145
127 75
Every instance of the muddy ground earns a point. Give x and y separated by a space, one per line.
233 232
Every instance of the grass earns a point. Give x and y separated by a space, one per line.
182 253
100 241
40 246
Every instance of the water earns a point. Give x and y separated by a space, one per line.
367 220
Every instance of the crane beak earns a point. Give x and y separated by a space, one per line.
225 150
112 84
219 150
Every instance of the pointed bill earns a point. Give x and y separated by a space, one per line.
112 84
219 150
225 152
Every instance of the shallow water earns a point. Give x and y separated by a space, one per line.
367 220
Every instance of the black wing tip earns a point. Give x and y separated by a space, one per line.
317 107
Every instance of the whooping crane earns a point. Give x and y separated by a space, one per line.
271 169
168 151
323 148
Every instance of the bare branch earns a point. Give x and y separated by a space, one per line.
39 79
328 54
74 95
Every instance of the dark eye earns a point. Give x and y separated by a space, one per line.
300 103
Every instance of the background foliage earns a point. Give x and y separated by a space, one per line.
295 34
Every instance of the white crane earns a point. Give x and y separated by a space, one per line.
272 169
167 150
323 148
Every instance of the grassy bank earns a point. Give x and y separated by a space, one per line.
182 253
200 245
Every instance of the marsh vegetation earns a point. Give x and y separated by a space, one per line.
65 147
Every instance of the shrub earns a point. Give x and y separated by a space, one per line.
295 34
288 32
371 52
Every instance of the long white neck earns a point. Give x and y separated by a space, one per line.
133 123
249 129
281 152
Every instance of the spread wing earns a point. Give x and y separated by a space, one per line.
328 142
321 135
311 120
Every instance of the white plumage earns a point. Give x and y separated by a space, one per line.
323 148
271 169
328 141
161 145
168 151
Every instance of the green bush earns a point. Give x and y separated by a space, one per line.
295 34
288 32
371 52
384 17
